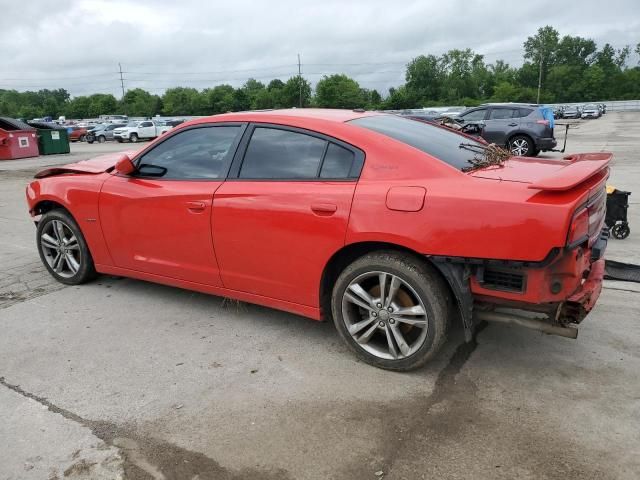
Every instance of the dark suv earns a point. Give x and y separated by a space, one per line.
525 129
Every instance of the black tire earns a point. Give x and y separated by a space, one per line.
90 139
133 138
621 231
83 138
521 145
119 140
102 139
86 270
426 284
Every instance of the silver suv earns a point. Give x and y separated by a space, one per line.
526 129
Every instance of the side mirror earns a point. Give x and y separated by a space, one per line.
125 166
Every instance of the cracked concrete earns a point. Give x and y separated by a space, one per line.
128 379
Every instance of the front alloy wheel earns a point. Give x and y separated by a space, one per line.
391 308
63 249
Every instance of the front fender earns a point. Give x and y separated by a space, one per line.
79 195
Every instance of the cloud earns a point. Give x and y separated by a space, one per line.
78 45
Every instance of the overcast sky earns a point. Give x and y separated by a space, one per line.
77 45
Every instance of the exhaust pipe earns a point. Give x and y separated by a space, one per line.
532 323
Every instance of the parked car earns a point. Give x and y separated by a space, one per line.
525 129
77 134
337 214
571 111
140 130
591 111
102 132
557 111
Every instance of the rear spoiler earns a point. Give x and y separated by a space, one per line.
582 166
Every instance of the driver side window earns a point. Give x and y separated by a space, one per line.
194 154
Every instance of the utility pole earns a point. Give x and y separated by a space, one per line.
540 72
300 79
121 79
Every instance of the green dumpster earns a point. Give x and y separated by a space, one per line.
52 138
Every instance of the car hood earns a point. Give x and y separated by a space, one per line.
562 174
93 166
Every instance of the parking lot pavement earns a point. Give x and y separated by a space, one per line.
126 379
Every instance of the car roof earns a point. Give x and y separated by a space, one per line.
327 114
510 105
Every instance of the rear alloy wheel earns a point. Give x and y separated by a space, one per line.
391 309
63 250
521 146
133 138
621 231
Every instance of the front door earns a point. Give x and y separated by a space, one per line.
158 220
280 220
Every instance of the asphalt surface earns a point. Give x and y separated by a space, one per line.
126 379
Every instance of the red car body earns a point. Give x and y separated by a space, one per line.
77 134
532 222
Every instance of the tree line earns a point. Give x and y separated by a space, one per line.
569 68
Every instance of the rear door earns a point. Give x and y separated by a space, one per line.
283 211
500 125
158 220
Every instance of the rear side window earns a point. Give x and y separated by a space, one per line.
278 154
337 162
436 141
282 154
502 113
523 112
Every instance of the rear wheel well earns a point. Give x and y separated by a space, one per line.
521 135
348 254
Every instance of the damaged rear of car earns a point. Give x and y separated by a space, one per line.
565 285
529 235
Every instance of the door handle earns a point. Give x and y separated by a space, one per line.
513 124
196 206
324 208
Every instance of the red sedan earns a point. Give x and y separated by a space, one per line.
390 227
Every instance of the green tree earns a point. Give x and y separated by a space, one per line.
400 98
78 107
253 88
339 91
183 101
140 103
295 89
425 78
102 104
219 99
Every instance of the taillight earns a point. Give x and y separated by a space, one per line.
579 229
543 122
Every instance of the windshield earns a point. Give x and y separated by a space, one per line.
436 141
591 107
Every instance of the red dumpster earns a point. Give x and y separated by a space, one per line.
17 139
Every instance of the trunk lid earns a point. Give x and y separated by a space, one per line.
551 175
